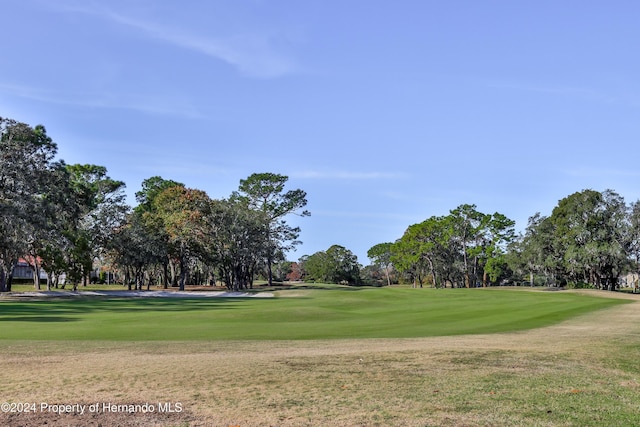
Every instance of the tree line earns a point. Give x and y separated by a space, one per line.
463 249
65 219
591 239
68 219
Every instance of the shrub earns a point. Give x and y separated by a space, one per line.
579 285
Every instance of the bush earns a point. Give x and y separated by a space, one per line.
579 285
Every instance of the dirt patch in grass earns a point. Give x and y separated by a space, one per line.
573 373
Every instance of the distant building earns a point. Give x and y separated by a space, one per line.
23 271
629 280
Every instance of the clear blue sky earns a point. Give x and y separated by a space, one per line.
384 112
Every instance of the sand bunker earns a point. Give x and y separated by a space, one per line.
143 294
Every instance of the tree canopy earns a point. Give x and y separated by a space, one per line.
72 220
587 239
463 248
264 192
335 265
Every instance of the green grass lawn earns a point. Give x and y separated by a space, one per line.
308 314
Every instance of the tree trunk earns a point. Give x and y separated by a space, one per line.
174 275
235 287
531 278
467 279
36 275
165 279
433 272
183 271
474 271
269 273
139 280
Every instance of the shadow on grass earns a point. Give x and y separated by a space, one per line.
39 319
320 287
58 310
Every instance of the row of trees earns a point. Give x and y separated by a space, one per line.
66 218
464 248
56 216
591 239
335 265
175 228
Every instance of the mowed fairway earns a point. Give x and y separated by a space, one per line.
312 314
360 357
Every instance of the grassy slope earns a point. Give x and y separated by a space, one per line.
312 314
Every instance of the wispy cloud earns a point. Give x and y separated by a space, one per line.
144 103
252 53
348 175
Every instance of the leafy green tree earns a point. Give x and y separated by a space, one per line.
496 268
26 169
535 252
427 248
372 275
265 192
281 270
344 263
467 226
406 258
588 239
317 267
457 248
589 229
302 272
498 233
633 237
53 243
238 241
135 249
335 265
183 213
97 207
151 188
380 255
